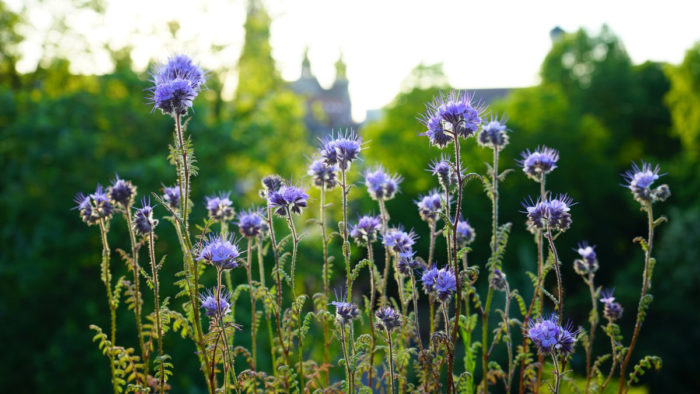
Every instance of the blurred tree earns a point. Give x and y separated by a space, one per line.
684 100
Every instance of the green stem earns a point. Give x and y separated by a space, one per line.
594 323
346 243
391 362
294 296
348 374
107 280
326 281
254 326
135 268
370 256
387 259
494 251
156 291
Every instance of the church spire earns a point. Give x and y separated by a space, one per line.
340 69
306 65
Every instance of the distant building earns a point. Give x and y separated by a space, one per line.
327 109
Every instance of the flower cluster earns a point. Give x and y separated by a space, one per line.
539 163
429 206
465 233
144 223
552 213
122 192
494 134
220 252
639 181
176 84
380 185
439 282
450 116
324 176
388 318
445 173
341 149
588 263
612 310
214 306
251 224
345 312
95 207
365 231
287 200
220 207
498 280
171 196
550 337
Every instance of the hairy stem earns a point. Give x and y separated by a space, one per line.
254 326
560 305
326 280
156 295
370 256
494 251
107 280
346 243
135 268
387 259
295 246
391 362
594 324
348 374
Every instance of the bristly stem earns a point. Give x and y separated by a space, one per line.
156 291
278 310
391 362
557 373
326 280
431 253
295 246
184 195
594 324
370 257
614 361
251 291
387 259
222 326
509 344
137 291
494 251
560 305
645 286
346 243
415 309
259 247
107 280
348 374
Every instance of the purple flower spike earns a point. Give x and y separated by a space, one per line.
288 200
538 163
639 181
449 116
380 185
220 252
341 149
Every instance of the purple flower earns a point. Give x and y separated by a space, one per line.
171 195
612 310
540 162
444 171
122 192
143 219
494 134
288 200
428 279
465 233
445 284
588 262
219 207
341 149
94 207
251 224
271 184
380 185
388 318
324 176
365 231
639 181
429 206
449 116
552 213
345 312
176 84
214 307
550 337
407 262
220 252
399 241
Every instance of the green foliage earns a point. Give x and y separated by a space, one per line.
645 364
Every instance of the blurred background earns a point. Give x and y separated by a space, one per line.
73 113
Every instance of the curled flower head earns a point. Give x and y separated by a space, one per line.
429 206
271 184
612 310
540 162
399 241
171 196
498 280
251 224
324 176
345 312
494 134
639 181
428 279
365 231
445 284
406 262
176 84
588 263
444 172
215 306
122 192
220 252
552 213
288 200
380 185
449 116
144 223
219 207
465 233
94 207
388 318
549 336
341 149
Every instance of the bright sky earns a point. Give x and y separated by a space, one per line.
481 43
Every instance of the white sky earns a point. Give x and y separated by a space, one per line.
481 43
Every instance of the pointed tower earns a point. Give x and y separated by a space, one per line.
257 74
338 105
